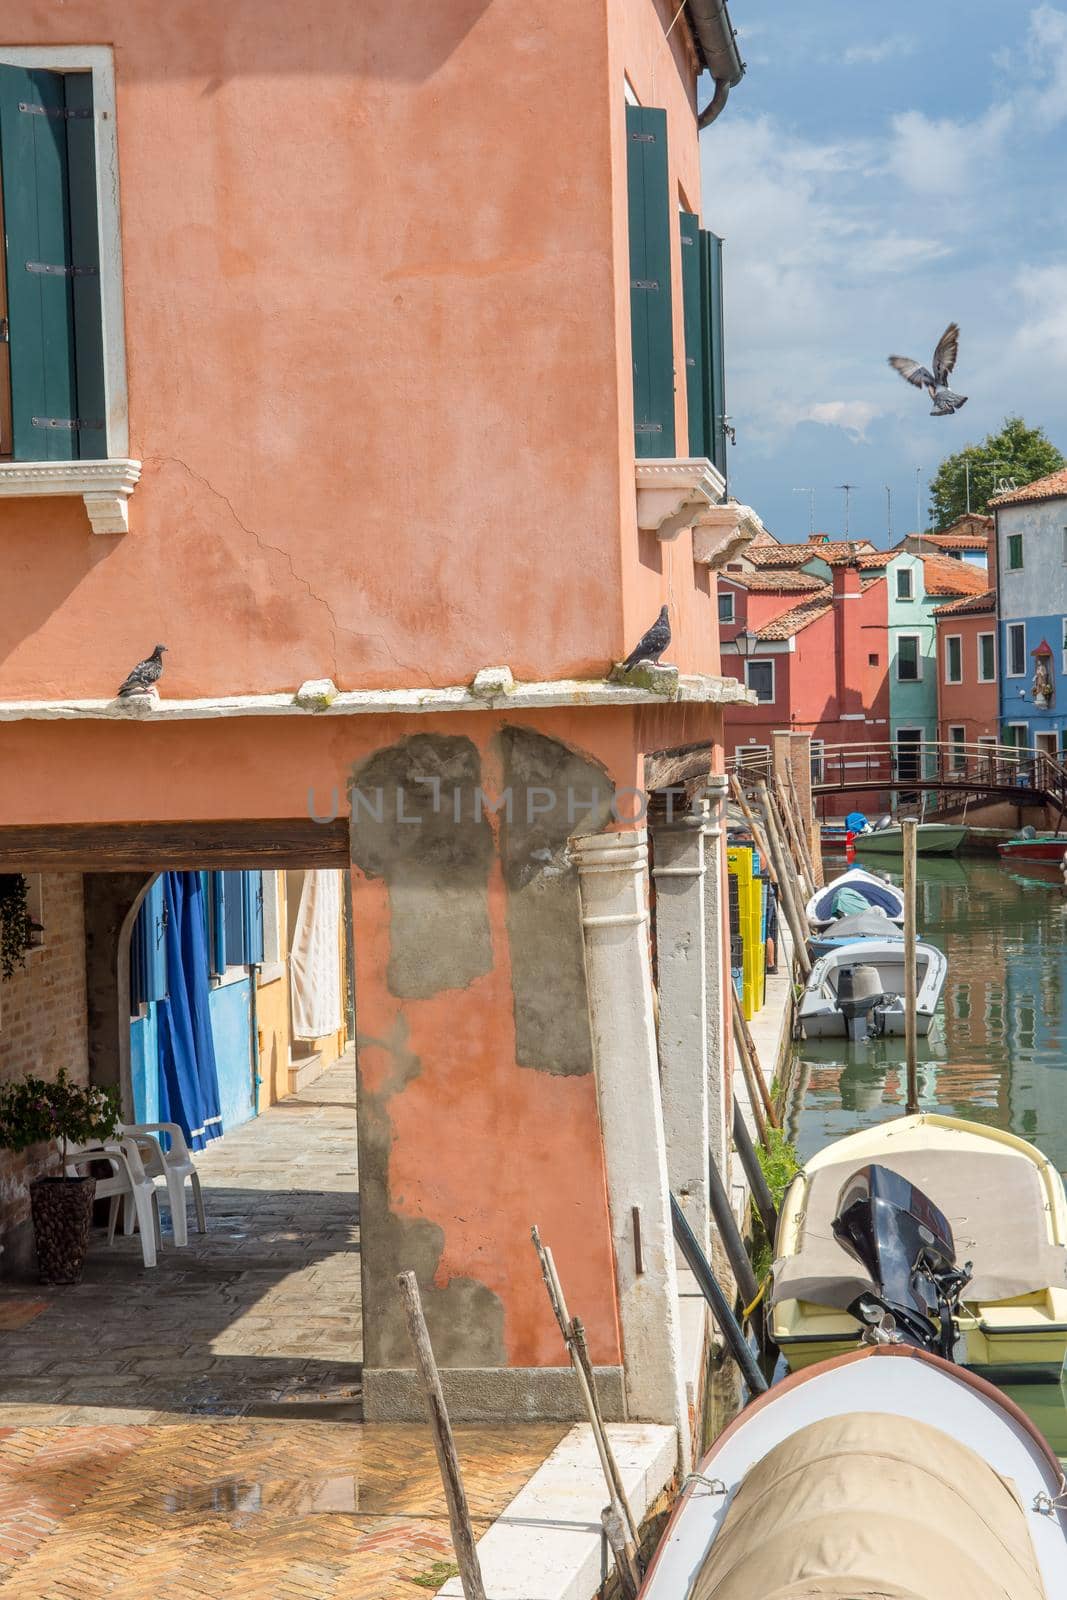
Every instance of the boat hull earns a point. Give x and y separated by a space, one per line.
877 893
1050 852
931 839
818 1013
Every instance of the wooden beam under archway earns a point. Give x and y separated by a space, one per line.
271 843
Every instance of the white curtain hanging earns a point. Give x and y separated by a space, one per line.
315 957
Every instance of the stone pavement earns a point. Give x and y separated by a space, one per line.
262 1310
193 1433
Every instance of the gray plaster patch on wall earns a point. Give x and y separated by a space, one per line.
543 911
418 824
464 1318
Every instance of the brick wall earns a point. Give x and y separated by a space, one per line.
42 1028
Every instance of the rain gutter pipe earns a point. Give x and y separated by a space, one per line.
717 44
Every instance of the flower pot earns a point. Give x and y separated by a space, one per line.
62 1211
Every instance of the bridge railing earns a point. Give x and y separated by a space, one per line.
975 767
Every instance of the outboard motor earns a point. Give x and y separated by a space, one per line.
906 1245
859 990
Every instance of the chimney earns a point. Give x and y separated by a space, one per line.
848 638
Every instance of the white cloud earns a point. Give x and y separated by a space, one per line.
1043 329
896 46
941 156
854 416
1046 48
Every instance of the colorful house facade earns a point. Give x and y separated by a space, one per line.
917 586
968 696
1031 576
289 438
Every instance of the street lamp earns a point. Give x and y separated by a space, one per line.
746 642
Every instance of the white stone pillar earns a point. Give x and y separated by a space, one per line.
681 972
719 1047
612 877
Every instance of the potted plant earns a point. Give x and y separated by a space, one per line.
38 1112
16 927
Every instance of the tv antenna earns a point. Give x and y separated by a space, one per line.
889 510
811 509
848 488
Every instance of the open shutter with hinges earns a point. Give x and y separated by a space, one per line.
242 917
651 321
52 265
148 950
91 434
695 343
714 350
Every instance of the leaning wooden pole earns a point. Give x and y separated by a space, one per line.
786 883
785 811
908 829
758 834
802 830
459 1516
750 1061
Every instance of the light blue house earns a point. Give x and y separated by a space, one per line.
1031 560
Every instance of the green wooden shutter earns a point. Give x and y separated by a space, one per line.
48 173
91 434
714 346
651 321
695 343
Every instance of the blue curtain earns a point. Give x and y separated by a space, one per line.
188 1075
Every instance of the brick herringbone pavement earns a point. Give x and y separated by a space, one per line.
236 1510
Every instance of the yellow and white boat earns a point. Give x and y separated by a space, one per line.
1005 1203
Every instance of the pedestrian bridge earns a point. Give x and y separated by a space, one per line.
954 772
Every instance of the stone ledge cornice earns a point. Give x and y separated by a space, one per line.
721 532
691 689
104 486
674 491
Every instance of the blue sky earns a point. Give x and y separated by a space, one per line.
879 172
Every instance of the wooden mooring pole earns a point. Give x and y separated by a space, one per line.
459 1516
908 830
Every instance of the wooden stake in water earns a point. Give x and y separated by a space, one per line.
908 829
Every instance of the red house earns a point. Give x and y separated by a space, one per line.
815 653
967 692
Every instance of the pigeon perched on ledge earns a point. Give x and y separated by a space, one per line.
946 401
145 675
652 646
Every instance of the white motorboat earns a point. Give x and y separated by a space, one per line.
852 893
931 839
857 990
885 1472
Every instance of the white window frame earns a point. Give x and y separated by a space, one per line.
763 661
909 573
273 966
1008 537
104 484
957 761
1017 748
1065 547
953 638
1010 627
993 676
728 594
918 678
918 745
742 751
818 759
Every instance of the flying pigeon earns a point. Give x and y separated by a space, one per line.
655 641
144 675
946 401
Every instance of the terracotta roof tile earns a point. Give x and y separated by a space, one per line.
866 558
959 541
795 555
969 604
942 575
775 581
791 622
1050 488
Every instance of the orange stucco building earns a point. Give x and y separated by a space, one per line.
353 431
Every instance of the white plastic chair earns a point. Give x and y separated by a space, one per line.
175 1165
130 1187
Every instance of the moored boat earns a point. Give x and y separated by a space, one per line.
931 839
886 1472
872 924
1005 1205
1044 848
855 890
856 991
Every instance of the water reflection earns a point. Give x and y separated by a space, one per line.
1000 1057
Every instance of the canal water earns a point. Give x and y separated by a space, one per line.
999 1054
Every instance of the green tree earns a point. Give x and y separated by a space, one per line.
1016 452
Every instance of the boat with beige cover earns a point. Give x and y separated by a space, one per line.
887 1474
1004 1201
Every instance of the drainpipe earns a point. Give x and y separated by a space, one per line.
717 41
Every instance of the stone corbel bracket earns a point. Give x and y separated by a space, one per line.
104 486
721 532
671 495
